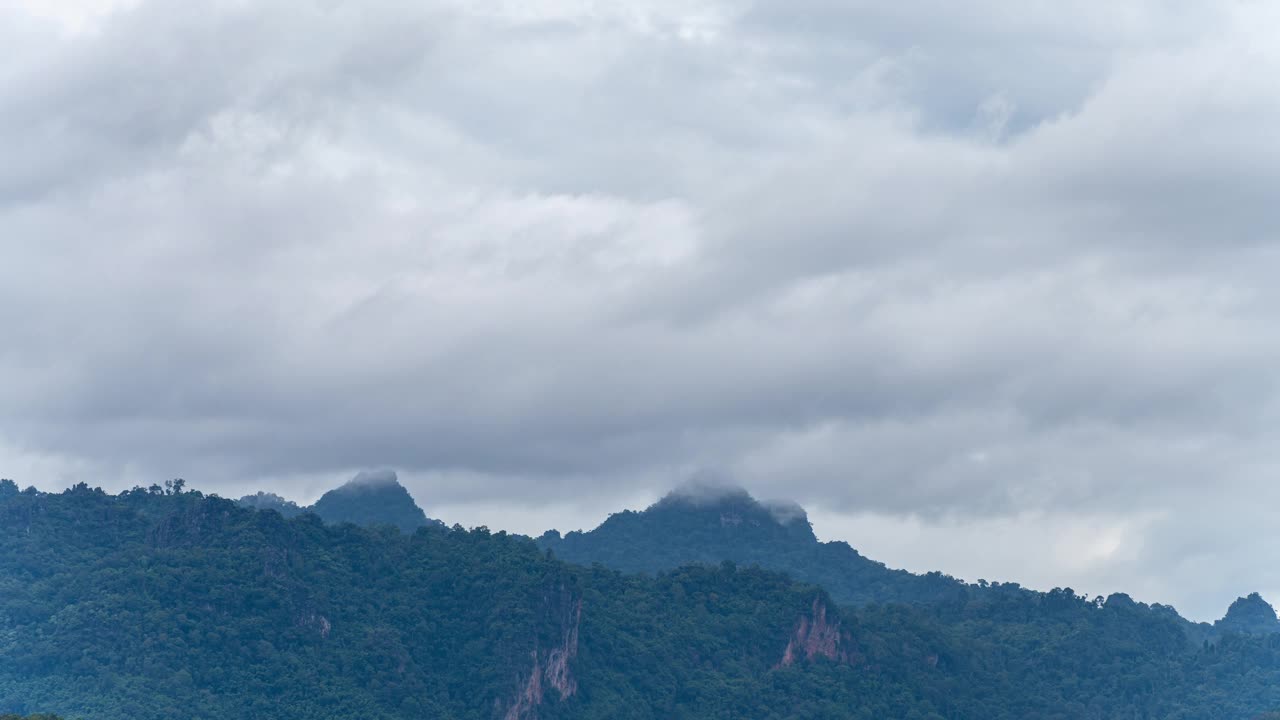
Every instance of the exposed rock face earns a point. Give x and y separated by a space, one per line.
815 636
310 619
551 669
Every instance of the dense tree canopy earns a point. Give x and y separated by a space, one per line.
164 604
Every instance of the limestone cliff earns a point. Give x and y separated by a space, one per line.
816 635
551 668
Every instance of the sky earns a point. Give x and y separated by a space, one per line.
988 287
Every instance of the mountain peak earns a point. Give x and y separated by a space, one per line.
705 522
372 498
701 521
1251 606
1252 615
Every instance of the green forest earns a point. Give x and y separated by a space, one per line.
163 603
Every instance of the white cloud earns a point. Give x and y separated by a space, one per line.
70 16
574 250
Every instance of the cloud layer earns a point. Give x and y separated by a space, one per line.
934 270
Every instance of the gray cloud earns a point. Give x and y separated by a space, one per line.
946 270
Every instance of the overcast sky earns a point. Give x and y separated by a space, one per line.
989 287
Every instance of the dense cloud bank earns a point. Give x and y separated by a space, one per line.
979 273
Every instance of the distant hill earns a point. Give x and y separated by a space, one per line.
709 525
370 498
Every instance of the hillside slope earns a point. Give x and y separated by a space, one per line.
165 606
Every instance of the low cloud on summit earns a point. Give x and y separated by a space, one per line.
990 292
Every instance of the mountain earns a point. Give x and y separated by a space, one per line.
709 525
1251 616
370 498
165 604
157 606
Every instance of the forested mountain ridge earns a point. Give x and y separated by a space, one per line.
166 604
175 605
713 525
708 525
